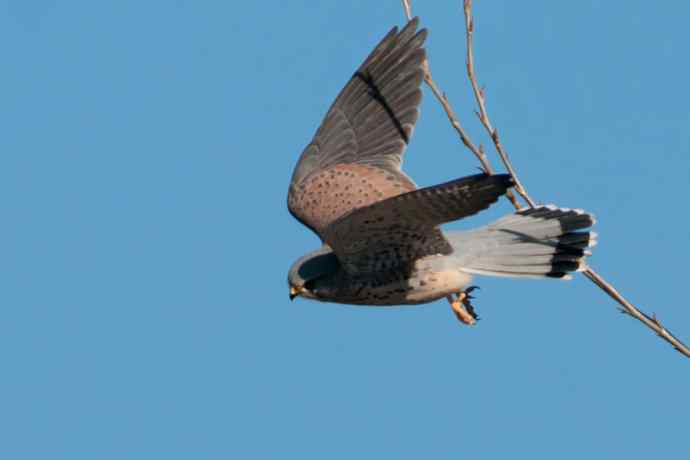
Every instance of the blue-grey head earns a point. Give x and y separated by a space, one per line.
309 269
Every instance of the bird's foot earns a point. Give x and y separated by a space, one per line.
462 306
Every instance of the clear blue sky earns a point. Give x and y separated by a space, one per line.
145 152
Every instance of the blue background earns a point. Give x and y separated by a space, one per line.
145 152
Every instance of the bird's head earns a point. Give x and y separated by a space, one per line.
308 270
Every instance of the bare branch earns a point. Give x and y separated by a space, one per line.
650 321
453 119
483 115
408 9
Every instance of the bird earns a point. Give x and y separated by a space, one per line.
382 243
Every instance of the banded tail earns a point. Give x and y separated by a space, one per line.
542 242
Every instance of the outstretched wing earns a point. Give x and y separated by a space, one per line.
396 231
357 150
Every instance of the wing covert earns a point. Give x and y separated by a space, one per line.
400 229
371 120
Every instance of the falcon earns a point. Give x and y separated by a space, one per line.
382 240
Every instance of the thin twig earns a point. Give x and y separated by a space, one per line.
482 114
443 99
453 119
650 321
408 9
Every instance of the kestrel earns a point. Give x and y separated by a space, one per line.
382 241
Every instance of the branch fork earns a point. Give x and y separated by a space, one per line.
479 93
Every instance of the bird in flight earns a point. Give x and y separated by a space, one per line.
381 235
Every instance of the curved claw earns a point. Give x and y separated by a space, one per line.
466 302
462 306
470 309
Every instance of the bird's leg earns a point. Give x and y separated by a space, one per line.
462 307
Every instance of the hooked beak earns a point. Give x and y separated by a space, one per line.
294 292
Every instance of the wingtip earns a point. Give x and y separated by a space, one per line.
410 30
504 179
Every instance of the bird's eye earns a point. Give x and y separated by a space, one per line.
309 285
